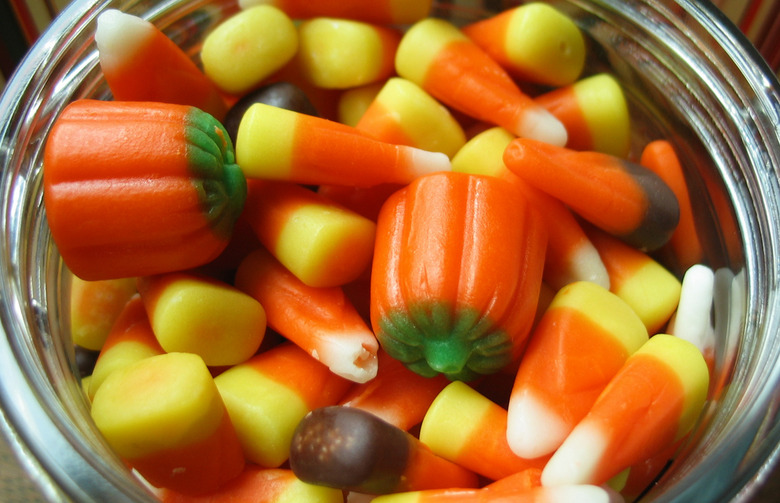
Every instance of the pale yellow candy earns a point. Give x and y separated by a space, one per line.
420 46
117 357
545 45
605 110
687 362
426 122
341 53
158 403
248 47
381 11
605 310
221 324
354 102
652 292
265 142
618 482
453 416
483 154
94 306
325 245
264 412
298 491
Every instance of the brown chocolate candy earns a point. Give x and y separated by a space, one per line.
351 449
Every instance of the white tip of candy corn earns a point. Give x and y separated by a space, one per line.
580 494
576 460
422 162
533 429
350 358
588 266
539 124
118 36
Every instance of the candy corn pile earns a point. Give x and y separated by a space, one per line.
363 253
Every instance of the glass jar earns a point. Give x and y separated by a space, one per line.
690 77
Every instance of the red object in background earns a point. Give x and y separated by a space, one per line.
759 20
33 16
21 22
770 44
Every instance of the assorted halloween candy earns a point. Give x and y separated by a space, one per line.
414 264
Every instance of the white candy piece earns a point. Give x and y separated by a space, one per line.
119 36
352 356
586 265
533 429
693 319
579 494
539 124
576 460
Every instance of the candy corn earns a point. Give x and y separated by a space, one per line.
562 494
520 481
465 427
140 63
131 339
534 42
94 307
279 144
641 476
248 47
620 197
261 485
322 243
654 400
269 394
397 395
438 57
692 319
661 157
595 113
196 314
342 54
589 333
651 290
570 254
319 320
404 114
378 11
354 450
353 103
164 416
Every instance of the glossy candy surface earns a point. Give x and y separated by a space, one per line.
352 449
107 219
618 196
438 57
464 266
582 340
443 300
